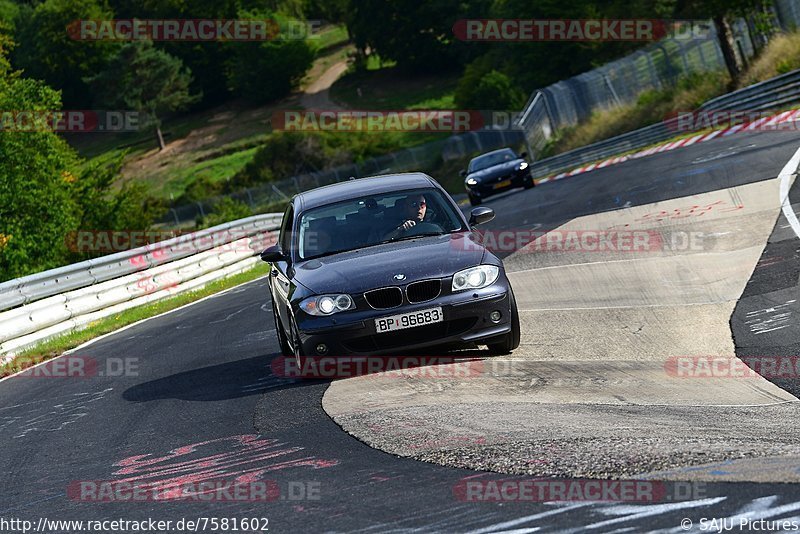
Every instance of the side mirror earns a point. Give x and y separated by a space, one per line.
480 215
462 173
523 155
273 254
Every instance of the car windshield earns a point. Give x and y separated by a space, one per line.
490 160
368 221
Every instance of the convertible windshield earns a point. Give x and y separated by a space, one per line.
490 160
367 221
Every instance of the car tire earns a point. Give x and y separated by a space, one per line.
528 183
511 340
473 200
283 341
298 348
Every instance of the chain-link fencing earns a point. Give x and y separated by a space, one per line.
419 158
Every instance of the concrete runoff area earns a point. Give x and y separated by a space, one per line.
593 389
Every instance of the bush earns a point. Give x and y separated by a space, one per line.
225 210
37 202
46 51
482 87
781 55
265 71
43 196
287 154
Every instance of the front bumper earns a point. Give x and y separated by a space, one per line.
487 189
466 319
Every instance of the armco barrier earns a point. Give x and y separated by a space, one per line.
775 93
58 301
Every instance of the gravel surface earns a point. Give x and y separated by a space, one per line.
603 458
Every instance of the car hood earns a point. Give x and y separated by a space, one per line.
496 170
372 267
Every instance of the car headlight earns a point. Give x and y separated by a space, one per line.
475 277
523 166
327 304
472 181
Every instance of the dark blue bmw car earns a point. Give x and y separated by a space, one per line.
495 172
383 265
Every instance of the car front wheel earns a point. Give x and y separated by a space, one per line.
283 341
297 347
473 200
511 340
528 182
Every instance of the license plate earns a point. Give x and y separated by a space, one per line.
504 183
409 320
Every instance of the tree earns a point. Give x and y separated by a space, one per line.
37 204
268 70
417 35
206 60
8 12
142 78
493 91
721 12
46 51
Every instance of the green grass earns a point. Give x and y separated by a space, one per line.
56 346
780 56
217 169
330 37
651 107
386 89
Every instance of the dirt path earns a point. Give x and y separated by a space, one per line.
317 95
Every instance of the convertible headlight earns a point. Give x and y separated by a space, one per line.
327 304
523 166
472 181
475 277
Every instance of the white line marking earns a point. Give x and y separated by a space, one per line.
787 171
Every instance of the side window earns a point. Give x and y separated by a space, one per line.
286 229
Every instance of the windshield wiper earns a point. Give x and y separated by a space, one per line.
407 237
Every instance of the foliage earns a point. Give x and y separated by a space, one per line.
43 195
9 11
268 70
46 51
143 78
286 154
37 204
417 35
225 210
487 90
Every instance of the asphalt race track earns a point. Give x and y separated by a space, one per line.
190 396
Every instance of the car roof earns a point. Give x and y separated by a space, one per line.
506 149
360 187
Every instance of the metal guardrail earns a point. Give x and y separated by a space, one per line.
47 283
51 303
776 93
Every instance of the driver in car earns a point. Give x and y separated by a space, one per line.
413 210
